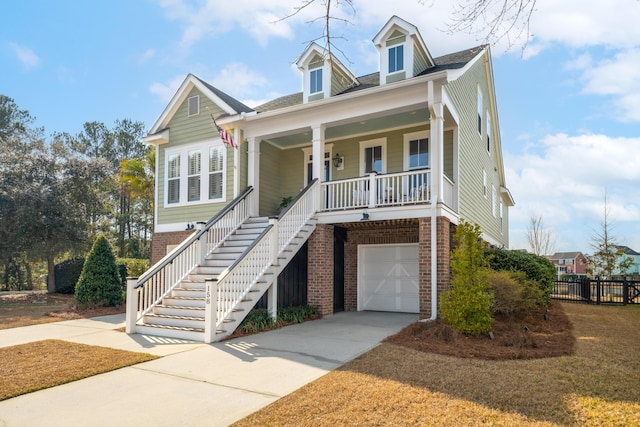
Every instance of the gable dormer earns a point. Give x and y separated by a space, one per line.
403 53
323 75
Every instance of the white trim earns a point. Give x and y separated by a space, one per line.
204 148
383 153
308 153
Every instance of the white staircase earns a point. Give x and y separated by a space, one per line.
235 263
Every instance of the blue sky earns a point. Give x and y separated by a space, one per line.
568 103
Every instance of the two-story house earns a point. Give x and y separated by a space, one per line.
380 167
573 263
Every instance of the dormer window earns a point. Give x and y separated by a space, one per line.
396 58
315 85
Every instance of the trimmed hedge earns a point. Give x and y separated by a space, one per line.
536 268
67 274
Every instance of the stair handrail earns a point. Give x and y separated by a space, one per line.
260 256
296 215
171 256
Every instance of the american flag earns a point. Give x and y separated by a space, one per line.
226 136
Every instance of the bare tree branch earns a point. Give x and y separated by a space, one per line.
541 240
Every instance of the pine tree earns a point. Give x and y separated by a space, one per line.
99 284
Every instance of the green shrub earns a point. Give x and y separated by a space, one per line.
513 292
257 320
296 314
100 284
134 267
467 305
67 274
536 268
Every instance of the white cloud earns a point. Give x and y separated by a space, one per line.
238 80
164 91
146 56
26 56
618 77
566 183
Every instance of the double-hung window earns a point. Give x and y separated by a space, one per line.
488 132
216 172
396 58
418 153
479 111
315 84
173 179
193 184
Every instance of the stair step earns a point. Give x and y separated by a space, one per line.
179 311
188 292
183 301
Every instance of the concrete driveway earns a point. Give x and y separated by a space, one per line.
192 384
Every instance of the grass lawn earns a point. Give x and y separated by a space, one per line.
598 385
42 364
25 309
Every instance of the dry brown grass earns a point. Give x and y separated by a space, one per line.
396 385
25 309
43 364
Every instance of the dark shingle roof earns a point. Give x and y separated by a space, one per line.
627 250
450 61
237 106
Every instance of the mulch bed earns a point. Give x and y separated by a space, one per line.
546 332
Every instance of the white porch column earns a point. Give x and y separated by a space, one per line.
236 163
253 172
318 152
436 119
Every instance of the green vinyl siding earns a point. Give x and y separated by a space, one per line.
186 131
419 60
473 157
269 183
448 154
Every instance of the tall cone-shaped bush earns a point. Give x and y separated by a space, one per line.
99 284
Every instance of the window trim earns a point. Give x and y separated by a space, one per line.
407 138
383 153
494 201
183 177
488 131
308 160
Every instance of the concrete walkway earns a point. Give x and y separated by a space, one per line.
192 384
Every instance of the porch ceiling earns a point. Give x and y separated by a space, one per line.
360 126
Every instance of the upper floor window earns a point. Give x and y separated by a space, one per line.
419 153
202 179
484 183
494 200
416 150
373 155
193 184
488 132
216 172
173 178
396 58
479 111
316 81
193 105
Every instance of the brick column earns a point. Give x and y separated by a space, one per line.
160 241
320 269
444 230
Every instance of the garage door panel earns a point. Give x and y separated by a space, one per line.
388 278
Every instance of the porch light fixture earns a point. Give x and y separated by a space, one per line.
365 216
337 161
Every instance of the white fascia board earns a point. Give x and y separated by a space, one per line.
181 94
158 138
342 108
454 74
507 195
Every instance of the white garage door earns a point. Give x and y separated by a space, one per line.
388 278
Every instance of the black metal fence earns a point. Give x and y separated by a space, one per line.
597 291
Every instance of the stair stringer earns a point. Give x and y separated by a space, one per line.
263 282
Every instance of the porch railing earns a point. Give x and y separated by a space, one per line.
167 273
377 190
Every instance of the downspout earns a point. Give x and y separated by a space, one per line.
434 203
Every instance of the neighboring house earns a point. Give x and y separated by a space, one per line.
574 263
634 263
372 162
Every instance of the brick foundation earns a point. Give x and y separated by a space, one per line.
160 241
444 239
320 269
